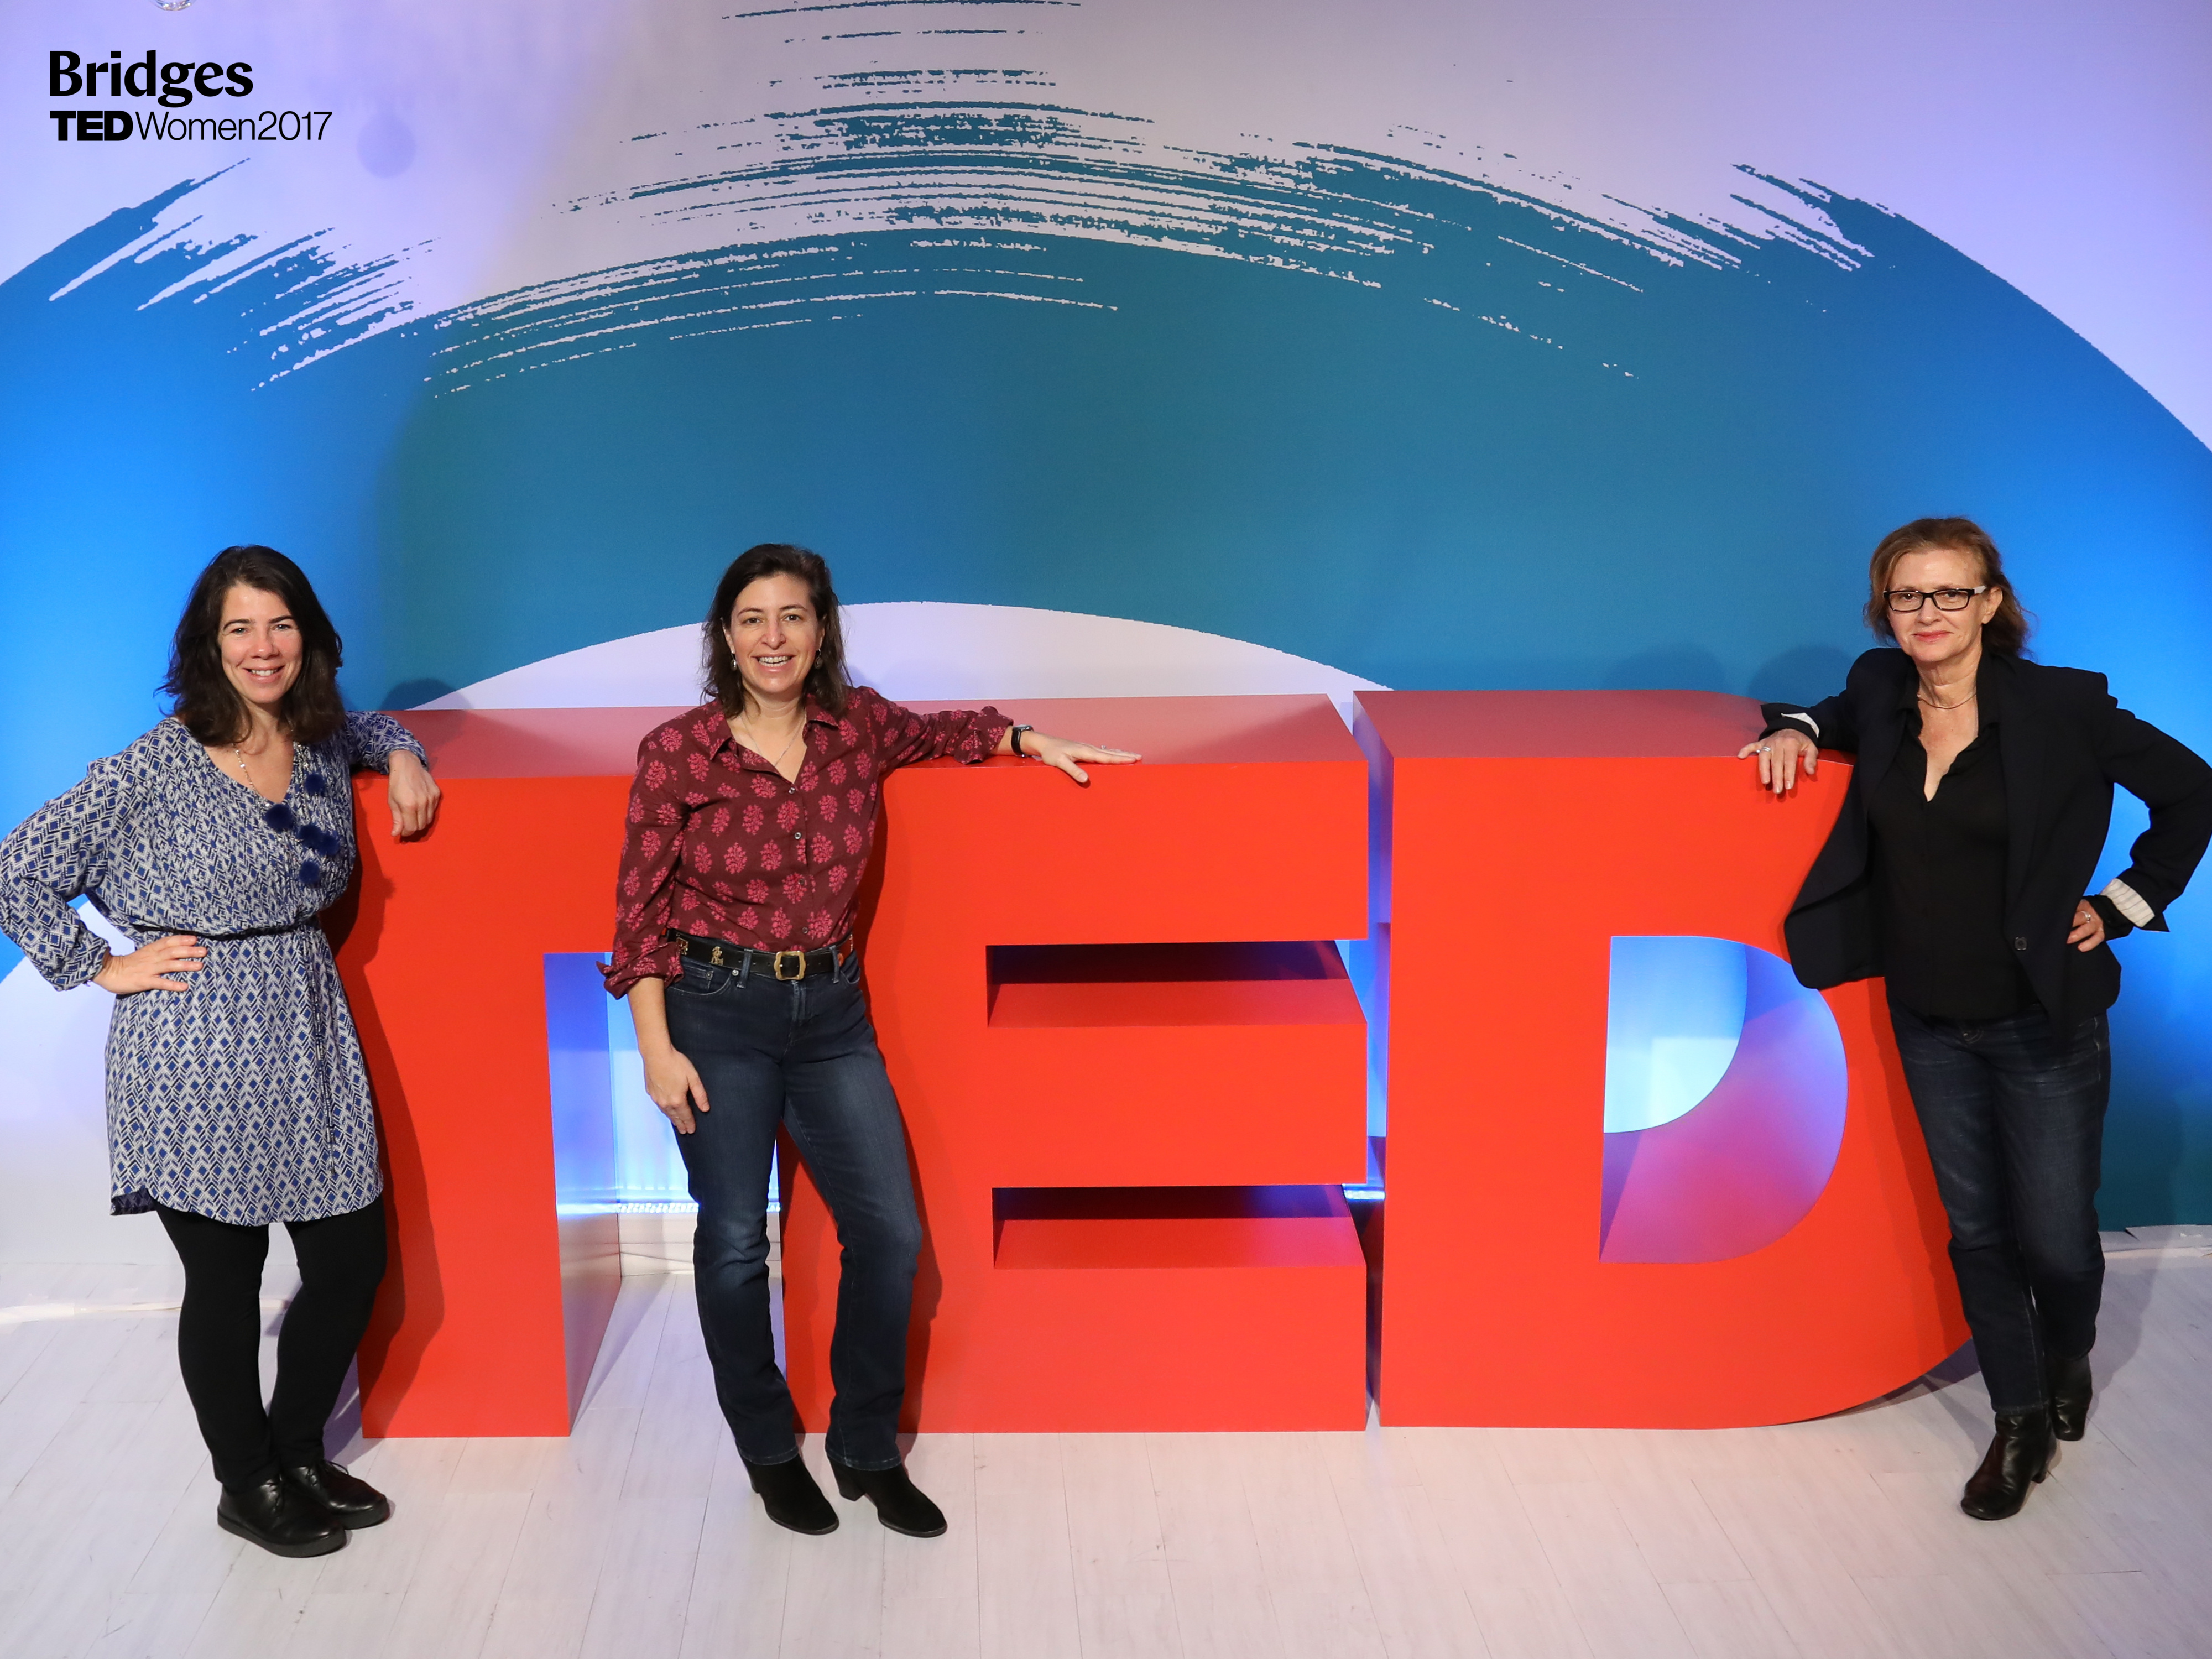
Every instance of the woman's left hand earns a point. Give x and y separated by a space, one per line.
1068 756
2088 927
414 794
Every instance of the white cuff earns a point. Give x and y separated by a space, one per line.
1809 720
2129 902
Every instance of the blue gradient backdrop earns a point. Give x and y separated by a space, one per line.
1658 475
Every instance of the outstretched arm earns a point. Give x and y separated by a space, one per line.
904 737
1067 755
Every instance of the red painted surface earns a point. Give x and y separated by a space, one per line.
1525 830
1089 1126
1123 1072
478 1330
1184 1227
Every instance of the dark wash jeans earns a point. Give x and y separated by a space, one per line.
2013 1115
800 1054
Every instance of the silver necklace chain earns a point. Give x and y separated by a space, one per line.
238 754
754 739
1948 707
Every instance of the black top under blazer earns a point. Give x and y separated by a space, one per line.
2065 742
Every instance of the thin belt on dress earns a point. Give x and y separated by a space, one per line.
721 953
245 933
328 1124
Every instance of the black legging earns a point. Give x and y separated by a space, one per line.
219 1334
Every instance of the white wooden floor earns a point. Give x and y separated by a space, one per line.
638 1538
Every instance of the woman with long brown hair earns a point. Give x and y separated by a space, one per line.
750 824
236 1095
1958 871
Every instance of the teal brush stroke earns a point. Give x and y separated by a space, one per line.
1415 426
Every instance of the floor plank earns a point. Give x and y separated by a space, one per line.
639 1534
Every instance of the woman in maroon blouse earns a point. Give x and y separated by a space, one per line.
750 821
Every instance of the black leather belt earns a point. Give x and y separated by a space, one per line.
783 965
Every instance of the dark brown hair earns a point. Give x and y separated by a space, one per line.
2006 631
205 699
825 682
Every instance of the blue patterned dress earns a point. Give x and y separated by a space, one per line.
244 1098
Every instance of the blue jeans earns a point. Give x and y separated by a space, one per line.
800 1054
2013 1115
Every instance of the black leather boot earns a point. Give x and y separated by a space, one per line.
349 1501
788 1493
2071 1387
281 1519
900 1504
2018 1458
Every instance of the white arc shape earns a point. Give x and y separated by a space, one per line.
924 650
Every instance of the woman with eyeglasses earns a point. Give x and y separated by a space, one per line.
751 820
1958 871
236 1095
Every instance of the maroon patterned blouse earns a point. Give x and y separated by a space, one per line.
720 845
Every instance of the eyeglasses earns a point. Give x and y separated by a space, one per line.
1947 599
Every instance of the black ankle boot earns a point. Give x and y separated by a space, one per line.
2071 1387
791 1497
349 1501
2018 1458
899 1503
283 1521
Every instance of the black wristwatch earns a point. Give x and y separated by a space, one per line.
1014 737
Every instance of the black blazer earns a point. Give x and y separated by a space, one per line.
2064 742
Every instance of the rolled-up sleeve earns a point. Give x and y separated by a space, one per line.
901 737
653 842
2176 784
57 854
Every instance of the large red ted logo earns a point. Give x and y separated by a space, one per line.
1636 1174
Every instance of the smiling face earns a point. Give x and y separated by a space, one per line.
1933 638
261 647
774 633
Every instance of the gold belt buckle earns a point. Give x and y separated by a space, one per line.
799 956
